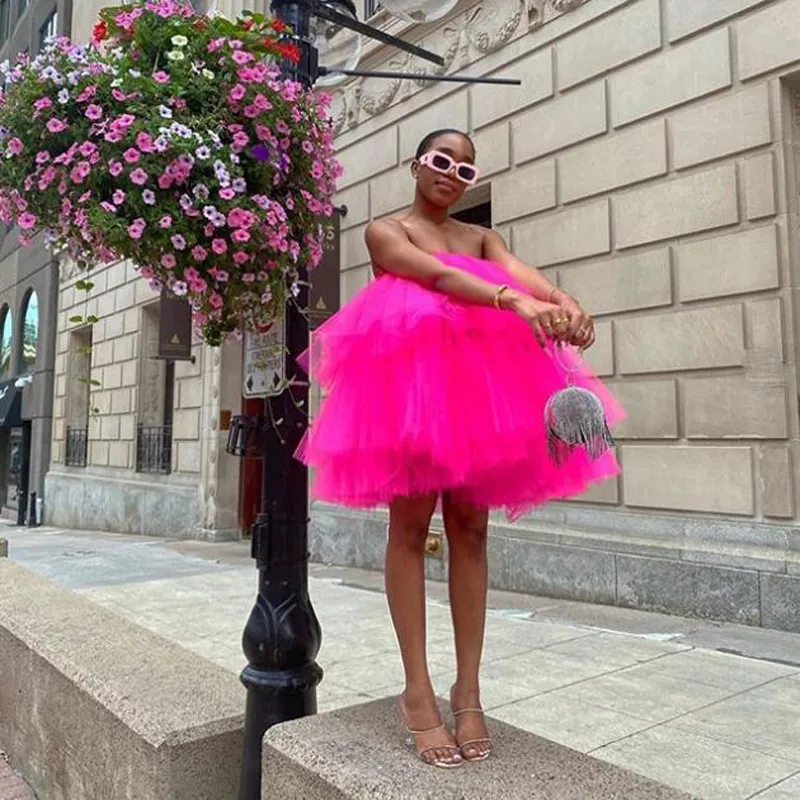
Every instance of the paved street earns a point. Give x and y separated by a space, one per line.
713 709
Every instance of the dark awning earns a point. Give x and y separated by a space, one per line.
10 405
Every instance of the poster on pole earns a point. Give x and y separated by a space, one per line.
265 361
324 297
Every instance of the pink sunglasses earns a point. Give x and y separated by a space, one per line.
441 162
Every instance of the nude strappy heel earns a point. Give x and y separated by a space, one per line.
471 743
456 759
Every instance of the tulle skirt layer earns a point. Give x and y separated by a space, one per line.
429 395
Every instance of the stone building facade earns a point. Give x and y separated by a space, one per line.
648 165
142 449
28 307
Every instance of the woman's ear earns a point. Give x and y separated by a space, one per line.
415 169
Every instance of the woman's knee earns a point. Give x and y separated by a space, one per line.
466 525
410 522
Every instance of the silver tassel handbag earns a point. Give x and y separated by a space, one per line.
574 417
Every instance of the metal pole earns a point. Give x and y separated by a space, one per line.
282 636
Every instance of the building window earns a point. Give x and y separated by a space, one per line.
30 333
49 30
77 446
156 400
6 340
480 214
79 368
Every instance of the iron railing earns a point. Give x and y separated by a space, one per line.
154 450
77 446
371 8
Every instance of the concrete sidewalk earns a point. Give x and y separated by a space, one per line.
12 787
712 709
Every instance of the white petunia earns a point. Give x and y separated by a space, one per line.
179 41
207 73
175 55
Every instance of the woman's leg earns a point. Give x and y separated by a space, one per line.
409 523
466 527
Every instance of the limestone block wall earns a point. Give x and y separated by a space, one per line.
646 165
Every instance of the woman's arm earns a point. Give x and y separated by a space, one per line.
581 330
391 249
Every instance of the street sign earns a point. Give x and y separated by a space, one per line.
174 328
324 296
265 361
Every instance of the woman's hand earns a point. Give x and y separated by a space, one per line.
581 333
547 321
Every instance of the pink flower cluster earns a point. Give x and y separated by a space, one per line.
113 154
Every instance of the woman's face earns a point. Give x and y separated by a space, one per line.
444 190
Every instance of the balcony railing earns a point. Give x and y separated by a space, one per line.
371 8
154 450
77 445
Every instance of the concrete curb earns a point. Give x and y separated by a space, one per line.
95 707
359 752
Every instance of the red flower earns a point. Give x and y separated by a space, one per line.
99 32
291 52
247 24
278 25
201 24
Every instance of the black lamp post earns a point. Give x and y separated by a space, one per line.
282 636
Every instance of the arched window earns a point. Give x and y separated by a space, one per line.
6 339
30 332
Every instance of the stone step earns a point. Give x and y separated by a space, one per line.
361 752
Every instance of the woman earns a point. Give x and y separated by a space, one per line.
437 376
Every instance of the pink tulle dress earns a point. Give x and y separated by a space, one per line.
428 394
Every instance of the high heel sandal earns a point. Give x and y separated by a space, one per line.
473 744
442 762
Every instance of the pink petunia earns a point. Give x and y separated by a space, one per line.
237 93
199 253
42 157
227 193
43 103
94 112
87 94
241 57
240 236
169 261
27 221
119 197
136 228
139 176
144 141
178 242
116 169
15 146
161 77
219 246
241 258
165 221
248 277
132 155
216 301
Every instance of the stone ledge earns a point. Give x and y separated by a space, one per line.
95 707
360 752
742 572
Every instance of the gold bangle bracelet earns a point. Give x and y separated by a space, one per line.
498 294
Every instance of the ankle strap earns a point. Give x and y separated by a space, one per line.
427 730
468 711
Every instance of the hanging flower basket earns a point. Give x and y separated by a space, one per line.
173 141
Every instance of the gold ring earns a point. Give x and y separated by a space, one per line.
562 320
